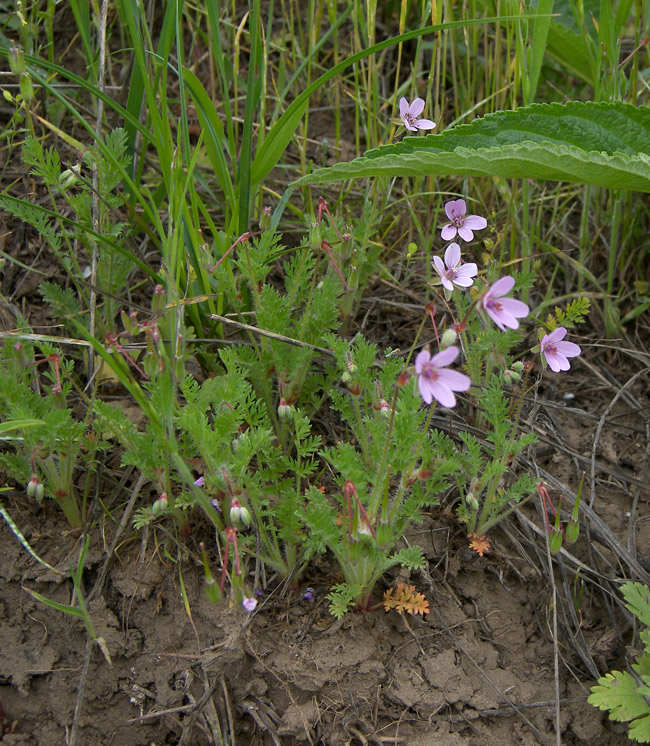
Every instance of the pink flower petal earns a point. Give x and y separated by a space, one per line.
424 385
555 336
403 107
553 363
424 124
501 287
454 379
569 349
465 233
448 232
455 208
441 359
475 222
452 255
421 360
443 394
515 307
465 271
417 107
439 266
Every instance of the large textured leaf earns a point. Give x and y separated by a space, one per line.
605 144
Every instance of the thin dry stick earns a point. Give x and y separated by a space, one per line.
556 654
80 693
542 738
619 393
271 335
94 258
118 534
101 75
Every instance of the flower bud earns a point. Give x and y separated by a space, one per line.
471 501
161 504
70 176
16 60
265 218
239 514
127 321
510 377
518 367
364 528
384 408
158 299
572 531
35 488
20 354
448 338
285 411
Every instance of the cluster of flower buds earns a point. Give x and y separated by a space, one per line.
240 515
513 374
160 505
35 488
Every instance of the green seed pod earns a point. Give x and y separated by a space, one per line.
555 541
384 535
212 590
26 88
572 531
356 550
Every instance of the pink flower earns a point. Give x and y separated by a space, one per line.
409 112
199 482
504 311
556 352
435 382
455 273
460 222
249 604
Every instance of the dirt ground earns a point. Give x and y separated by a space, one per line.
478 669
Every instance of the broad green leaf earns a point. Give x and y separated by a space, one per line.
605 144
637 600
283 130
618 693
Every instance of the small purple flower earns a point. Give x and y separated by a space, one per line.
454 273
199 482
435 382
504 311
460 222
556 351
308 595
249 604
409 112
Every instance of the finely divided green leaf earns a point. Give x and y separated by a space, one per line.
637 600
605 144
618 693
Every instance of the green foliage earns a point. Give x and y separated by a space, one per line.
74 187
52 444
625 695
605 144
574 314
